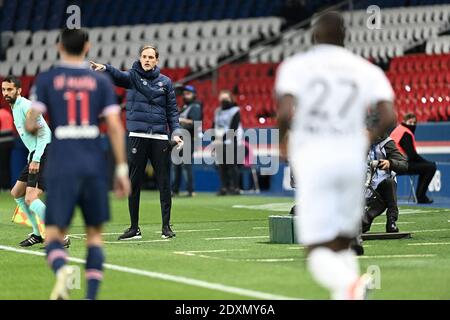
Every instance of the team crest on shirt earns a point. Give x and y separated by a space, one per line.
160 84
134 151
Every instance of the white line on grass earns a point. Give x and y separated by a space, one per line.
273 260
195 254
137 241
208 251
429 244
416 211
258 228
193 230
236 238
430 230
168 277
398 256
103 234
383 223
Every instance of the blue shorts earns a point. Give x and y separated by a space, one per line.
64 194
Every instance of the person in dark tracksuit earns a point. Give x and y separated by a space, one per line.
190 112
384 162
152 118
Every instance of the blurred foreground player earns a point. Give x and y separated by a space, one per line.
75 97
328 92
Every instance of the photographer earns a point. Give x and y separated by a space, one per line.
384 162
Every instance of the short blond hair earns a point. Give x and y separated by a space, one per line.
147 46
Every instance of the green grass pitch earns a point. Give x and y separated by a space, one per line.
223 242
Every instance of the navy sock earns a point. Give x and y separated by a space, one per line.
56 255
94 271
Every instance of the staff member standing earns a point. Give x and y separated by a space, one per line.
152 117
189 114
228 132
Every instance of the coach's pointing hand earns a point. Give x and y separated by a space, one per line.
97 66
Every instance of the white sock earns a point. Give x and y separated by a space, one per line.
336 271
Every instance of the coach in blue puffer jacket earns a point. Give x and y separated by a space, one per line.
152 117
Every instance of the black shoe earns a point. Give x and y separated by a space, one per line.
365 227
235 192
222 192
391 226
357 245
366 223
167 233
131 234
31 240
292 212
425 200
66 242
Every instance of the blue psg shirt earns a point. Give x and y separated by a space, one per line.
74 97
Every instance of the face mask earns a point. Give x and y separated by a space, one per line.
226 104
187 100
411 127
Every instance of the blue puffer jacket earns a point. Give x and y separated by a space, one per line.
151 103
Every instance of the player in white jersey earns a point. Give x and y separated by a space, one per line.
327 93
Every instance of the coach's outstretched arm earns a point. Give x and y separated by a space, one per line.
120 78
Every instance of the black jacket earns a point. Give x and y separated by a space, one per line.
397 161
151 104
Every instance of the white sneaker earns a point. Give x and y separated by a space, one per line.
66 242
360 290
61 289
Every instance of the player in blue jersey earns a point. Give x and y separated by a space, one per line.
75 97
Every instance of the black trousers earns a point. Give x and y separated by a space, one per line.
178 171
158 151
228 170
384 198
426 171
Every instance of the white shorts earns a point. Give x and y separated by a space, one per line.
329 196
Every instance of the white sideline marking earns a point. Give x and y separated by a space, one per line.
279 206
173 278
193 230
137 241
398 256
383 223
258 228
76 237
207 251
235 238
273 260
430 230
195 254
429 244
103 234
